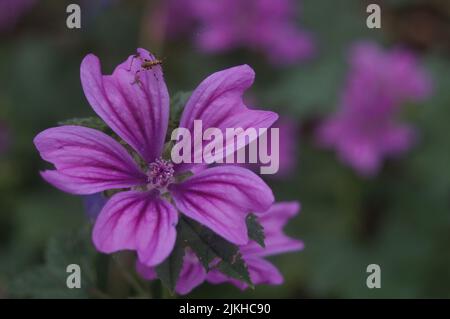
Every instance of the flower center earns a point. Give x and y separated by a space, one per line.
160 173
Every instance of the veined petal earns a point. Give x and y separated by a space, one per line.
221 197
87 161
140 221
133 101
218 103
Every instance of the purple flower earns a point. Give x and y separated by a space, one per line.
261 271
172 18
265 26
365 131
143 218
11 11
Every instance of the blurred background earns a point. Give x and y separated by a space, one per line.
398 217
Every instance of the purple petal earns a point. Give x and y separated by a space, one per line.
221 197
261 272
218 103
87 161
137 112
192 274
146 272
273 221
140 221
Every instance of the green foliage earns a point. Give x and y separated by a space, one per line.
91 122
49 280
169 271
255 230
211 248
177 104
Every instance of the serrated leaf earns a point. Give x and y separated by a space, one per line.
91 122
237 269
169 270
209 247
255 230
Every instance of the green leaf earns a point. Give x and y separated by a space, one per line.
177 103
236 269
169 271
255 230
91 122
208 246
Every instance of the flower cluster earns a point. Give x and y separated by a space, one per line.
364 131
265 26
150 192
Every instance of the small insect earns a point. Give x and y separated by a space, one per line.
146 64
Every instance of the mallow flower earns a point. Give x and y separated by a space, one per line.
264 26
152 190
261 271
365 130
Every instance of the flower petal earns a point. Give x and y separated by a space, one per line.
192 273
261 272
87 161
221 197
133 101
146 272
140 221
218 103
273 220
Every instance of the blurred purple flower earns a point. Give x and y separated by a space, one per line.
365 131
172 18
11 11
261 271
265 26
88 161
